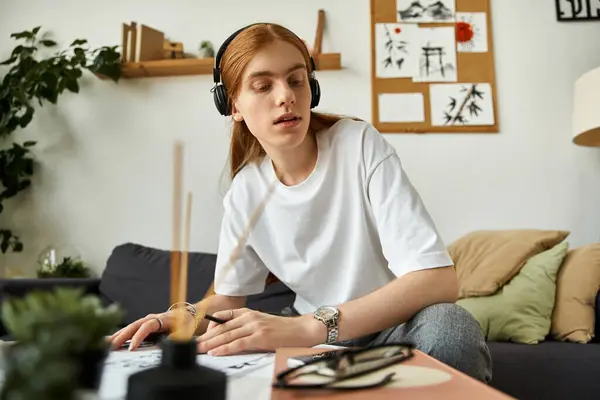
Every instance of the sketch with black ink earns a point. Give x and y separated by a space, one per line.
396 52
437 55
122 364
461 104
577 10
426 10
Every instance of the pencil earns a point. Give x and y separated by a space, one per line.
214 319
222 321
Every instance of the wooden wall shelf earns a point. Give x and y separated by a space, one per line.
202 66
328 61
160 68
147 53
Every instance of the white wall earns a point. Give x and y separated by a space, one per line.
105 154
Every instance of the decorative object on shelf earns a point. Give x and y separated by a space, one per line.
60 344
206 49
433 67
173 50
586 109
178 376
142 43
31 79
577 10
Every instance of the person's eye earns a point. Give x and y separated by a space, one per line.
261 86
296 81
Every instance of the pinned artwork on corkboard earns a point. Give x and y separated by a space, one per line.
433 67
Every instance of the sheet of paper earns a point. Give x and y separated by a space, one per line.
426 10
471 32
401 107
396 52
121 364
461 104
437 58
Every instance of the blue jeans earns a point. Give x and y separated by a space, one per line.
446 332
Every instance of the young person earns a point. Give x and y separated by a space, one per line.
342 226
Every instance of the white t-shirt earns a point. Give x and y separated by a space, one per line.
355 224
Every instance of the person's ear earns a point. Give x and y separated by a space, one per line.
235 113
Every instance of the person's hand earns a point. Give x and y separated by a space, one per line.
138 330
252 331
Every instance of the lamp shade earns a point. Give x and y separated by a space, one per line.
586 109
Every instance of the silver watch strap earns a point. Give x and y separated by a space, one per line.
332 333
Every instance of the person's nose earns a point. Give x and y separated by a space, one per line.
285 95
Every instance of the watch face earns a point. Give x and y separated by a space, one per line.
327 312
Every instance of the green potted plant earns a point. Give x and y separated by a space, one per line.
69 267
206 49
38 75
61 332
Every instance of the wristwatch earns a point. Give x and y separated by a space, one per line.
329 316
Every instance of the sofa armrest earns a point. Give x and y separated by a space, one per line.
21 287
597 317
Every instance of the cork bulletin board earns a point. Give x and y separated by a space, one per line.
432 66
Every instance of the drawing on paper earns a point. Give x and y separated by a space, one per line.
471 32
426 10
437 58
461 104
396 51
134 361
577 10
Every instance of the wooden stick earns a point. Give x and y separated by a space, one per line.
183 332
236 252
176 234
319 35
184 255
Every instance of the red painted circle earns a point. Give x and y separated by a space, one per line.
397 30
464 32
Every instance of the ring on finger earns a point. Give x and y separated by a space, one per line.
160 324
231 312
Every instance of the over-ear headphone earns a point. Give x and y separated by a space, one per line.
220 92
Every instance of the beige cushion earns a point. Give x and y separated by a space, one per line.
576 289
486 260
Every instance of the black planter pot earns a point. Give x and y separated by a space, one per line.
90 367
178 376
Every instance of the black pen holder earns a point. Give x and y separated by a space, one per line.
178 376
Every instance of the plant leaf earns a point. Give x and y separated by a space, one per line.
452 104
27 117
78 42
72 85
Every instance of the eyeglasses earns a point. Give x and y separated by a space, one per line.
348 369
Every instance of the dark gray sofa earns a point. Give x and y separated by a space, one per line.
137 278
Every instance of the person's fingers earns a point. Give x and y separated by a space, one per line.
211 325
117 333
219 329
120 337
231 313
150 326
208 346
